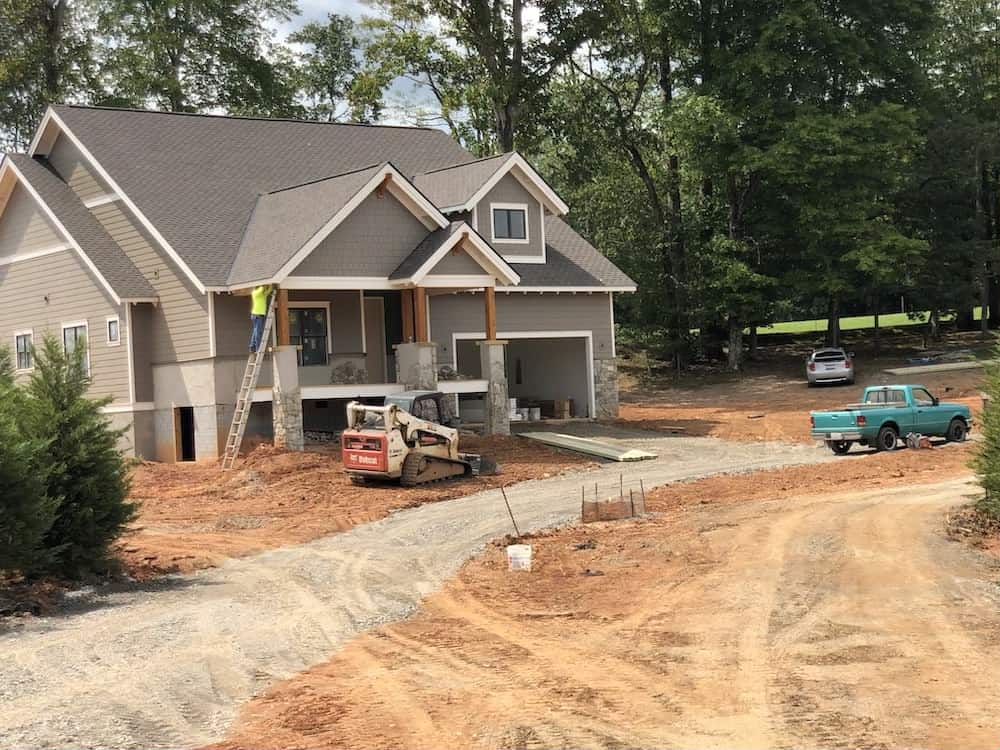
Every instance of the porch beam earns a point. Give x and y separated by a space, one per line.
281 322
407 305
420 314
491 313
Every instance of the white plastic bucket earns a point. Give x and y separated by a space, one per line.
518 557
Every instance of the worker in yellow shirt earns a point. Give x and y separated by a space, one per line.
258 314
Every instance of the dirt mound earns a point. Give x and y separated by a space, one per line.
194 516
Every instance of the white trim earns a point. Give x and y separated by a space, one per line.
337 282
31 334
9 259
611 311
565 289
526 240
128 408
476 246
51 115
504 335
475 385
211 324
294 304
364 333
525 259
8 164
538 188
102 200
131 352
263 394
475 217
107 330
77 324
369 187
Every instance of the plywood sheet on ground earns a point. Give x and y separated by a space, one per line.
588 446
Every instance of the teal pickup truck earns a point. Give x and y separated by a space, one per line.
886 413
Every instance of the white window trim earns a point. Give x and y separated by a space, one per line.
510 207
77 324
107 332
17 334
294 304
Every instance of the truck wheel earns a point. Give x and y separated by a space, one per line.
957 431
840 447
887 439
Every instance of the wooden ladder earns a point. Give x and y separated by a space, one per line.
245 398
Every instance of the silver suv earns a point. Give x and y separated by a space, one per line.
830 365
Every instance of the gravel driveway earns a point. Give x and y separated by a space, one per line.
167 666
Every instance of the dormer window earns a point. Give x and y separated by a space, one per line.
510 222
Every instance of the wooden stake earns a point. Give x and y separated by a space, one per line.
510 512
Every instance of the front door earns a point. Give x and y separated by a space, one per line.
375 339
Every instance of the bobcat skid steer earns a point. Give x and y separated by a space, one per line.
391 442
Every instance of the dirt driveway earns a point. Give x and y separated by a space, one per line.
168 665
828 621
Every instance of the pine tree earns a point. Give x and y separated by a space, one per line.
86 473
987 459
26 511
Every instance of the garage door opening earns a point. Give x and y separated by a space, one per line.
184 433
539 369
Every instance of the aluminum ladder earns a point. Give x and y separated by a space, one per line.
245 398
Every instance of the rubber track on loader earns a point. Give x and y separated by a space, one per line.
421 469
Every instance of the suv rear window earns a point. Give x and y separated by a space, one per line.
829 357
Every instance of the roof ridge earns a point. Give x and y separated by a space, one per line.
466 163
250 118
324 179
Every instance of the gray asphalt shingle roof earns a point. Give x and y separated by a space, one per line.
197 178
425 250
285 220
454 185
109 259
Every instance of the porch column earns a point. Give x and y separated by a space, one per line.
407 304
420 314
491 313
416 365
286 396
492 358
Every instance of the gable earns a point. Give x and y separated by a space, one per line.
24 227
372 241
509 192
75 170
457 262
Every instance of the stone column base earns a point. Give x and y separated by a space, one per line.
416 365
492 358
606 388
286 403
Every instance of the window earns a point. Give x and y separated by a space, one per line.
922 397
75 335
308 330
510 222
114 336
22 348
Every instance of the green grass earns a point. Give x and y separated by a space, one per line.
853 323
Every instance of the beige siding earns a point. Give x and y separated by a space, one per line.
75 171
24 227
372 241
42 294
509 190
456 313
179 326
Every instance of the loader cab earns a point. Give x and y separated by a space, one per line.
426 405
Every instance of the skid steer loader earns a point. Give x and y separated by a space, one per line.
392 442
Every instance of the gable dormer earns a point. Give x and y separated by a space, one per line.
503 198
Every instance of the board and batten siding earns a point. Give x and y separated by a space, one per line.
509 190
372 241
72 166
464 313
42 294
24 228
179 329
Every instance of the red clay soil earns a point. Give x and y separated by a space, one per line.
586 651
194 515
766 407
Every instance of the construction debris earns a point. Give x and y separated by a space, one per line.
588 446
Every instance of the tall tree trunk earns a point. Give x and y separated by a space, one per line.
833 321
984 301
934 325
753 342
965 319
875 337
734 360
53 61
